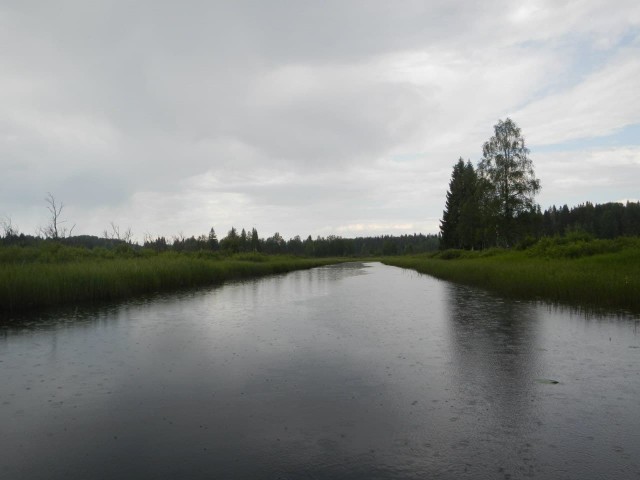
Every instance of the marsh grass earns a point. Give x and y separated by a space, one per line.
34 280
594 273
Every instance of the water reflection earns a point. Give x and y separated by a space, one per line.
494 346
353 371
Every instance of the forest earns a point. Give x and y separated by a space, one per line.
493 204
234 242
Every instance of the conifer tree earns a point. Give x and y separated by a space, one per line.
244 241
470 216
453 206
212 240
255 240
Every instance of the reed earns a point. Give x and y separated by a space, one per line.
80 278
602 274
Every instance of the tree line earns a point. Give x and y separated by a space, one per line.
330 246
243 241
607 220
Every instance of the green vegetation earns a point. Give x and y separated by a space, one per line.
576 269
53 274
587 255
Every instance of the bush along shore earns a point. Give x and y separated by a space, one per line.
576 270
35 278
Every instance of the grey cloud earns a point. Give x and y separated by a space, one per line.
302 194
333 125
95 188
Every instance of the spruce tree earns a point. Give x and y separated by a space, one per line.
453 206
470 217
255 240
212 240
462 224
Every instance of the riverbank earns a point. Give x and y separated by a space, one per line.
593 273
38 283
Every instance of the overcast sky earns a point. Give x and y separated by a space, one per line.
305 117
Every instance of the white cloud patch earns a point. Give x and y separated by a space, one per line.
598 175
380 228
604 102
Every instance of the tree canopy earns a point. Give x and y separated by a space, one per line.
511 181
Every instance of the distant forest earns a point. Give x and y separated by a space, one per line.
121 240
330 246
242 242
607 220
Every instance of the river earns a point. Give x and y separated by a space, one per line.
357 371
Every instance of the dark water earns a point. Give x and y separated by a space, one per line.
350 371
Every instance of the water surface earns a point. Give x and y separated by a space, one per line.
349 371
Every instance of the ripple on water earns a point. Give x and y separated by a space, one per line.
352 371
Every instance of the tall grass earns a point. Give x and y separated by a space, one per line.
598 273
37 283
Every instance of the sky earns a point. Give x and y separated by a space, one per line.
305 117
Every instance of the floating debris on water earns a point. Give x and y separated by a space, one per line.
547 381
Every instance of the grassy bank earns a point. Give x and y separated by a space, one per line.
581 272
34 279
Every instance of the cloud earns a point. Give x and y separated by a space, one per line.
601 104
596 175
296 117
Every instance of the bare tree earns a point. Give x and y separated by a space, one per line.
127 236
115 233
8 228
179 238
55 229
